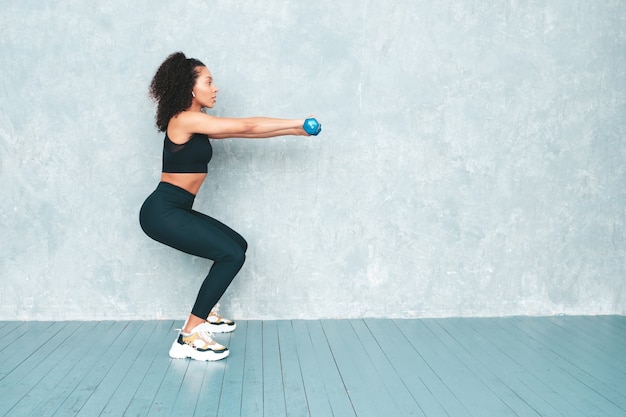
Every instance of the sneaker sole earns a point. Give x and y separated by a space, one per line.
178 351
220 328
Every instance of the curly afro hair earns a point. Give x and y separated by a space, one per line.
172 85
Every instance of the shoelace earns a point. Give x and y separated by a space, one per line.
207 336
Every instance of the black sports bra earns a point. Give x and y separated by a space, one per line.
192 156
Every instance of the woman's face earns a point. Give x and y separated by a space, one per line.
204 90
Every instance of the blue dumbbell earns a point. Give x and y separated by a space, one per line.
312 126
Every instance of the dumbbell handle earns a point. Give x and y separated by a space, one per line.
312 126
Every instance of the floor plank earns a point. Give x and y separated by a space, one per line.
570 354
424 386
252 389
131 342
232 387
96 369
272 382
211 388
521 385
12 332
130 384
514 366
527 346
335 387
317 398
487 387
296 402
73 378
431 390
142 400
58 373
583 339
39 373
370 395
388 376
19 346
524 362
472 392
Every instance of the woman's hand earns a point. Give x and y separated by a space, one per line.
312 126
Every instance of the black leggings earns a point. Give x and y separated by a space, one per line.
166 216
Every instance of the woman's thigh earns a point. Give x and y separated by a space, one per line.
201 237
223 228
181 229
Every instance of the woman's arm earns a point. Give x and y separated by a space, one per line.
189 122
284 132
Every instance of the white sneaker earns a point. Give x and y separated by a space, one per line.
198 345
217 323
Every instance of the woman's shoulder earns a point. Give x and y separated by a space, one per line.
183 126
191 116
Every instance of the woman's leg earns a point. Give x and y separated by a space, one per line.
227 230
167 217
206 237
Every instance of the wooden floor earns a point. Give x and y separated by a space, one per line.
556 366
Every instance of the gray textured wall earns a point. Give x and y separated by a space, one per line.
472 160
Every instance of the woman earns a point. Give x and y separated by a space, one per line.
182 88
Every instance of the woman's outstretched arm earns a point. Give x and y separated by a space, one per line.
189 122
285 132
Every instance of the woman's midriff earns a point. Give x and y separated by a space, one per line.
190 182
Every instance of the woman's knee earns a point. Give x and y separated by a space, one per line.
234 254
239 257
240 241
